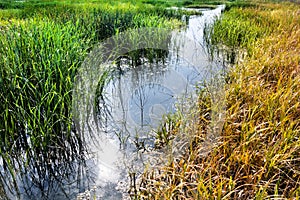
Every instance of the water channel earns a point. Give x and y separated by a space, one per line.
129 109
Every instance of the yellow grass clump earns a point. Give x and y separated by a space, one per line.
258 154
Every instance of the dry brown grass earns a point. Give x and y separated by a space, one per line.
258 154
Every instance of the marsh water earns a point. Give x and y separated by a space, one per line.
131 107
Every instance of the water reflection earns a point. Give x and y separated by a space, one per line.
104 160
137 96
47 175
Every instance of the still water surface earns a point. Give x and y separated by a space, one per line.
130 109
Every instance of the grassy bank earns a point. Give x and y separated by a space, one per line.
257 154
41 48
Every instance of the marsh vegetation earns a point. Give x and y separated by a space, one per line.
257 153
43 43
42 46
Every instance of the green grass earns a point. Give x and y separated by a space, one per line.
199 6
39 61
40 52
42 44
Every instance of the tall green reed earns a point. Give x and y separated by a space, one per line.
39 58
38 65
39 61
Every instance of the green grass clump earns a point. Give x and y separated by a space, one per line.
257 154
241 27
39 61
204 6
40 52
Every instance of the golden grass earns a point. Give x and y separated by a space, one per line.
258 154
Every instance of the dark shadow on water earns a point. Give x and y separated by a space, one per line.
55 172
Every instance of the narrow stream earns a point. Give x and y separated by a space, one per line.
136 99
130 108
